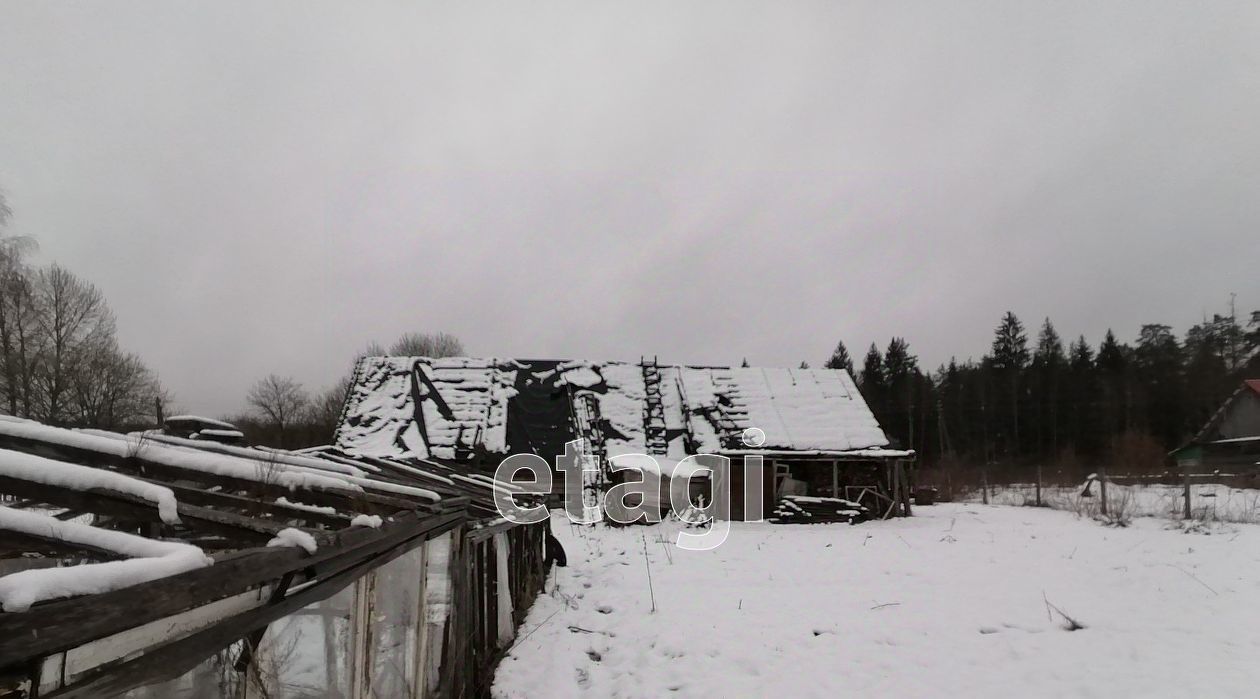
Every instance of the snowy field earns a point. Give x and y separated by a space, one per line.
949 603
1209 502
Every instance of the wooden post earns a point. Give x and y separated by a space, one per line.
1038 485
835 478
1186 512
984 483
905 487
1102 491
892 487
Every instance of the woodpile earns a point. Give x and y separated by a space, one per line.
802 509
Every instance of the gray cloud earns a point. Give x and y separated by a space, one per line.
266 187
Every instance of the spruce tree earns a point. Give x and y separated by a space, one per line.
873 383
901 372
1080 397
1113 375
1009 357
840 359
1047 368
1157 364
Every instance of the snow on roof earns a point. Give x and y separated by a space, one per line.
147 560
193 459
235 434
800 410
37 469
343 478
462 405
464 402
267 455
797 409
209 421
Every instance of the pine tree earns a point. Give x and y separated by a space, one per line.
1207 370
840 359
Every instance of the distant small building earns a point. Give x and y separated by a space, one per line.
1230 441
812 429
197 427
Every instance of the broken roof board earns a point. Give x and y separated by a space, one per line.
470 411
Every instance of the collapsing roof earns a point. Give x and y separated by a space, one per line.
156 551
459 408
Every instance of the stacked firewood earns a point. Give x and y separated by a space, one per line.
802 509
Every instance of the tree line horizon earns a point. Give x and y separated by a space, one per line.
1072 406
1024 401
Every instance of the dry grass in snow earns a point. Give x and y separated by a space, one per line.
955 601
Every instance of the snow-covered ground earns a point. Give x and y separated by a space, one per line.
952 602
1208 501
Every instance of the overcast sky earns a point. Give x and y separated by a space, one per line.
265 187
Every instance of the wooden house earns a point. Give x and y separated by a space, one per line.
809 431
1229 443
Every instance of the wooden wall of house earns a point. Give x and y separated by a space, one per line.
476 636
849 479
1242 418
738 510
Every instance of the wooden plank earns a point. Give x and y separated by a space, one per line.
102 501
245 505
22 541
111 648
367 503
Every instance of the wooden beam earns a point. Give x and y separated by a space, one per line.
22 541
197 496
365 502
103 501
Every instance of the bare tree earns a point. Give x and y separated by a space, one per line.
112 389
17 319
326 407
427 345
74 324
59 358
15 314
279 400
